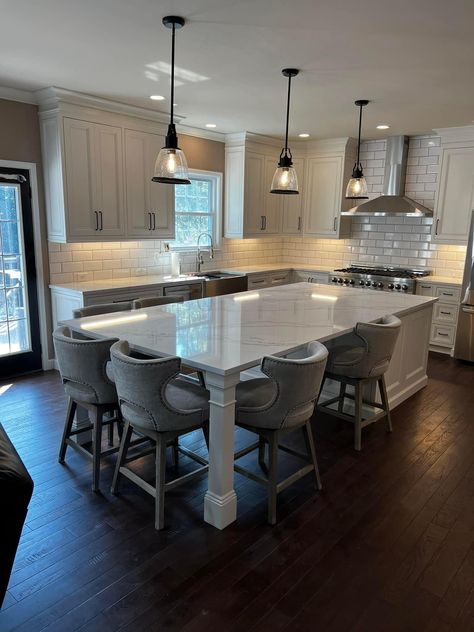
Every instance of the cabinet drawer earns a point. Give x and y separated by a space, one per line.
257 281
279 278
442 335
425 289
445 313
448 294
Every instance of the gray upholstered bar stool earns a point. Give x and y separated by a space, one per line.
82 365
103 308
160 407
140 303
361 359
275 406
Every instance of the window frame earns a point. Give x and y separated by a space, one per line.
216 200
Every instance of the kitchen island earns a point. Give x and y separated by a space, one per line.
226 335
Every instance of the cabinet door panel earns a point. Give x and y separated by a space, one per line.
109 180
136 157
254 203
456 196
292 206
161 196
272 202
323 196
79 170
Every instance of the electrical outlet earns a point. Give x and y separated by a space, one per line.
166 246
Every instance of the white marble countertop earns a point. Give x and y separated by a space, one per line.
442 280
226 334
125 283
275 267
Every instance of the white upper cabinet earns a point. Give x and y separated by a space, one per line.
272 202
292 205
254 210
327 169
98 166
149 205
455 198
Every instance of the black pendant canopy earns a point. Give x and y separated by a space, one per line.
171 166
357 185
285 180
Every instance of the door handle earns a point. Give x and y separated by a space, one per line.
436 227
335 224
468 309
101 221
154 220
96 220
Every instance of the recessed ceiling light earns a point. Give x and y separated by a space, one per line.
157 97
383 126
303 135
211 125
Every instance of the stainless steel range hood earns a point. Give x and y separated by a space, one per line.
393 201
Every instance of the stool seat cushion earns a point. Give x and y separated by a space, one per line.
255 393
85 393
342 357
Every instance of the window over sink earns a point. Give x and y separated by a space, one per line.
198 209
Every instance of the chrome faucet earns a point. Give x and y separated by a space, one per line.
199 259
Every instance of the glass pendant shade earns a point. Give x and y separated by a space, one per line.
171 167
357 189
285 181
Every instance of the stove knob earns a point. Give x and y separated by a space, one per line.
390 286
361 283
398 286
339 280
368 284
346 281
380 285
351 281
334 280
374 284
404 288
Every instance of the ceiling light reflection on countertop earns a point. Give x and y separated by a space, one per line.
246 297
303 135
120 320
383 126
157 97
324 297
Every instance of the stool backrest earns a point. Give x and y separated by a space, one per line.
103 308
140 303
141 388
297 385
379 340
82 365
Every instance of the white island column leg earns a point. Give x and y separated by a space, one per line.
220 501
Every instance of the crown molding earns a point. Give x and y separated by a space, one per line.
14 94
455 134
50 98
197 132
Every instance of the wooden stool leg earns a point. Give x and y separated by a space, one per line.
71 411
205 432
385 404
176 452
111 433
160 468
272 478
122 455
96 447
308 433
358 388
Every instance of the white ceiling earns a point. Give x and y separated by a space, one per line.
413 59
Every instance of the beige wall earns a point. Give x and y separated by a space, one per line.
201 153
20 141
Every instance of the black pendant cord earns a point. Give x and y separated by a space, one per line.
360 127
172 74
287 114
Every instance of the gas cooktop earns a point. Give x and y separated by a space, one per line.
387 278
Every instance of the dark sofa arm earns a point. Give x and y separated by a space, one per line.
16 488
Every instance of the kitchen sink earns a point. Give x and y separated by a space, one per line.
217 283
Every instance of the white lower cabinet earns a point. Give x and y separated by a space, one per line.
445 314
269 279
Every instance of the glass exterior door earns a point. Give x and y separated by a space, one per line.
20 349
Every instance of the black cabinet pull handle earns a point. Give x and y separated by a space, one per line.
446 313
335 224
299 222
96 220
436 228
154 221
101 221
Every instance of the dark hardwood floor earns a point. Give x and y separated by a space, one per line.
388 546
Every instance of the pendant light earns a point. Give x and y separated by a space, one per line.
357 185
285 180
171 166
